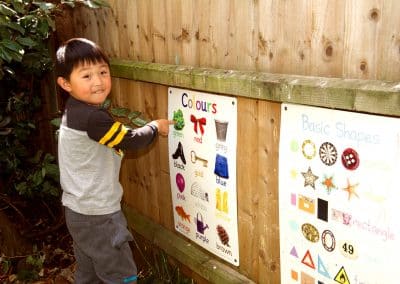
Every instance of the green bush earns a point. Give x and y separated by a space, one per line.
26 27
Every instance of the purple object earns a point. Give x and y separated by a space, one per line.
180 182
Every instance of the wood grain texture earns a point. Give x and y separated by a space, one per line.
344 39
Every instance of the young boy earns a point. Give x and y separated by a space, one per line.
90 152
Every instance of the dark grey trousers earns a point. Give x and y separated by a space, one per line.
101 248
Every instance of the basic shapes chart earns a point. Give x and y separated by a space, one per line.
338 196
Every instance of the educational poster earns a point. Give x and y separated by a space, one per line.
202 162
339 197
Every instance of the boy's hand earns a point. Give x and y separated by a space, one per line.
163 125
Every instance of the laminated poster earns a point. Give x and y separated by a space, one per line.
339 197
202 163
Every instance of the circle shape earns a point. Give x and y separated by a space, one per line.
350 159
308 149
348 249
328 153
328 240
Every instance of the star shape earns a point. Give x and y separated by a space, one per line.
328 184
309 178
351 189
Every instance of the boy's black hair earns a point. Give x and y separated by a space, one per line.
77 51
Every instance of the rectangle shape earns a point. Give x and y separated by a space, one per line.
322 212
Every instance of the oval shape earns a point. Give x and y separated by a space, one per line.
180 182
310 232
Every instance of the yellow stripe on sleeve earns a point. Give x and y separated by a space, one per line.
119 137
110 132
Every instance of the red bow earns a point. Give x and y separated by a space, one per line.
198 121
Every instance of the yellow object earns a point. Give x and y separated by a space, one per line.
218 199
225 202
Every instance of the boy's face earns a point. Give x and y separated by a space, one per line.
89 82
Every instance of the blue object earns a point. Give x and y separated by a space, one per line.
130 279
221 166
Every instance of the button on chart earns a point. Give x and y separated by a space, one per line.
350 159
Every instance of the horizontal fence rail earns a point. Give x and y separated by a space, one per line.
370 96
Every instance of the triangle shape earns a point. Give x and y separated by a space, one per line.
322 269
341 277
307 260
293 252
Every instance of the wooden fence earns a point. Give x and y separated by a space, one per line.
335 54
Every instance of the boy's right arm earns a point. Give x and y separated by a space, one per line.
105 130
162 125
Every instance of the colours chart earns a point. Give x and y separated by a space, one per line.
202 163
339 196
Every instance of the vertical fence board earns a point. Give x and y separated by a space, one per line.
267 178
361 39
159 31
247 187
327 38
388 60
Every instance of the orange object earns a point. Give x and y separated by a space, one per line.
181 212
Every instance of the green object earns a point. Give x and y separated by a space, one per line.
139 121
178 118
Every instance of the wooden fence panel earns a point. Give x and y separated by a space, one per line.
344 38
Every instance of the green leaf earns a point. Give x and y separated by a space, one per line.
48 158
56 122
120 111
134 114
36 159
70 3
37 177
95 4
26 41
102 3
106 104
51 23
139 121
12 45
19 6
45 6
50 189
28 21
6 10
43 28
15 27
43 172
21 187
52 171
5 54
